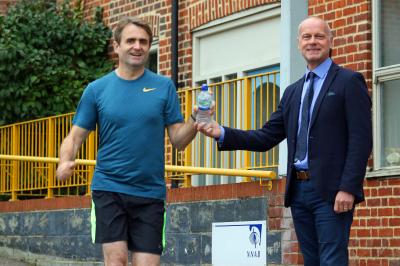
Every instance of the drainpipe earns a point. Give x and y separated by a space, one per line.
174 42
174 63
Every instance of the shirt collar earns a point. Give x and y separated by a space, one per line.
322 69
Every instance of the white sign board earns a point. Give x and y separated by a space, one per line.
239 244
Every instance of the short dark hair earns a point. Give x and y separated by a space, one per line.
135 21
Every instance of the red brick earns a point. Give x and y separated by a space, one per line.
396 253
363 8
354 262
339 4
373 243
373 262
365 36
394 181
394 222
275 212
292 259
385 212
274 223
363 232
292 247
373 202
350 58
386 232
361 17
349 11
339 23
375 232
320 9
385 253
363 212
363 262
374 222
394 201
363 252
372 183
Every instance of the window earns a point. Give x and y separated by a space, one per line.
386 76
152 62
265 99
225 53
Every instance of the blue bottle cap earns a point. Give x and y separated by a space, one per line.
204 87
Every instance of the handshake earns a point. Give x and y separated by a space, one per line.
204 122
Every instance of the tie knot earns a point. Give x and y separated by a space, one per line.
310 75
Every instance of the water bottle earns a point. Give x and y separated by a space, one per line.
204 100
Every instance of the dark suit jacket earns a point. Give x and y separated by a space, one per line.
340 137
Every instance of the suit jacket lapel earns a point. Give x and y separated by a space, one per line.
329 78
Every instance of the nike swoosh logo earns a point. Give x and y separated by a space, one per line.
148 89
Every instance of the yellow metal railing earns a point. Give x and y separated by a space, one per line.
244 103
241 103
168 168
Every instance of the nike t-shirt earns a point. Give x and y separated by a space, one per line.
131 116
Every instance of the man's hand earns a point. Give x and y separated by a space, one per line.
64 170
209 129
211 111
343 202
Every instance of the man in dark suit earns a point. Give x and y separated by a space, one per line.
326 118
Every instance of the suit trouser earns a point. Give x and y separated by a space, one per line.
323 235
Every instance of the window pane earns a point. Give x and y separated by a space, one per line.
390 32
199 83
152 62
390 118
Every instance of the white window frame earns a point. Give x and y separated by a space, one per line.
379 75
233 21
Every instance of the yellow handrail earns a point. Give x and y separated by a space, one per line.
168 168
262 175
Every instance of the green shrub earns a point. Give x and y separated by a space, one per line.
48 54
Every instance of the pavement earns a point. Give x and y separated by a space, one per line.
4 261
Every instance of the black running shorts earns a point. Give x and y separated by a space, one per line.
121 217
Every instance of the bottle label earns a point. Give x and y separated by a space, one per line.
204 108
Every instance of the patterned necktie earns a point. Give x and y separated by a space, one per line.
301 147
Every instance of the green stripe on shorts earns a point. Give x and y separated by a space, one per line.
163 231
93 222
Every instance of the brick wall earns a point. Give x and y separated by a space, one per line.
375 235
350 21
192 14
4 4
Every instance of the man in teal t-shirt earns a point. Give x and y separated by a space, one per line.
131 107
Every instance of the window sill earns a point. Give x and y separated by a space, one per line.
386 172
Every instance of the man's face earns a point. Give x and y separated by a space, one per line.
133 49
314 41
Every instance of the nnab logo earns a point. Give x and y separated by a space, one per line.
239 243
255 235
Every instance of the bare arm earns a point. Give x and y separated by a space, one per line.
69 149
181 134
